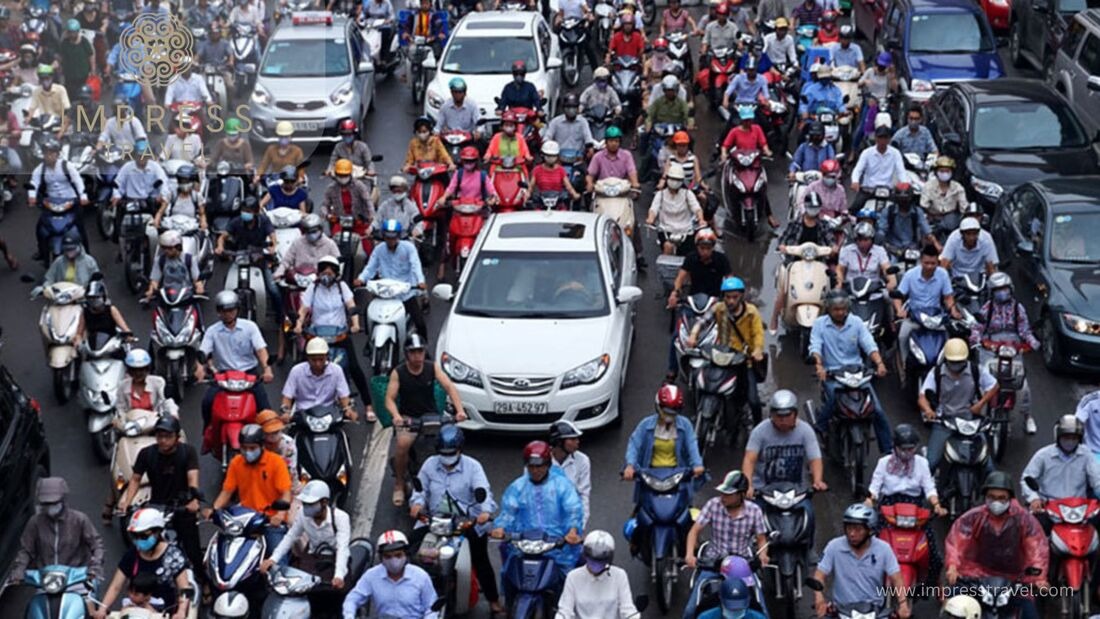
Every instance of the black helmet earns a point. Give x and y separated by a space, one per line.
423 121
571 100
288 174
71 241
415 342
450 440
905 436
998 480
51 145
563 429
252 434
817 130
167 423
187 173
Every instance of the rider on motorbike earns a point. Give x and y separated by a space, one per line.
734 596
914 137
862 258
600 93
425 147
259 478
152 554
329 302
820 93
519 92
675 210
813 153
187 201
398 259
903 224
969 250
628 41
665 439
319 526
253 231
448 483
100 316
394 587
399 207
347 195
232 343
780 47
49 99
680 154
747 87
288 194
123 129
927 287
570 130
747 135
999 538
597 589
173 265
73 265
1063 469
960 386
140 389
350 147
782 447
565 442
550 175
735 523
719 33
316 382
233 148
855 579
880 166
280 155
308 248
188 86
137 179
834 201
508 143
844 54
676 19
55 180
905 477
805 229
460 113
424 23
379 9
215 52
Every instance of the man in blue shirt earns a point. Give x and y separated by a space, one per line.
902 225
914 137
839 340
232 343
821 93
844 53
393 587
747 87
519 92
252 231
928 288
811 153
398 260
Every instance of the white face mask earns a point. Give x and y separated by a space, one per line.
997 508
675 183
449 461
943 176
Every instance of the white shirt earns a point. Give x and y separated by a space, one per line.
578 468
182 89
917 482
315 535
189 148
780 50
605 596
129 133
328 303
875 169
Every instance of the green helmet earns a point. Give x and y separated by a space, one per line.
457 83
72 25
613 132
233 126
44 69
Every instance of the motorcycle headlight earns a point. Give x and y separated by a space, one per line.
54 583
534 546
460 372
1003 598
662 485
319 424
987 597
907 522
261 96
341 95
1079 324
922 86
967 427
988 189
1073 515
586 373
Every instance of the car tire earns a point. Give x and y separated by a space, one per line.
1015 46
1052 355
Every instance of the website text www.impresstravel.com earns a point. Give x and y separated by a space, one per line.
977 591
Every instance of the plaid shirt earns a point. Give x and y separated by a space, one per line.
733 535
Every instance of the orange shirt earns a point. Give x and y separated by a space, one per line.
258 485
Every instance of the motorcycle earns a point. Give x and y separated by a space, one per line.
294 283
850 427
532 573
679 50
796 193
466 223
964 462
134 431
415 53
129 88
599 118
244 44
575 169
836 126
387 323
573 36
925 344
353 239
717 409
626 79
1073 544
196 241
807 283
869 304
804 37
34 135
137 238
101 373
224 195
59 220
215 85
614 198
445 555
918 170
1007 366
294 593
385 60
691 310
455 140
713 79
606 13
995 593
286 221
60 592
232 559
189 112
658 138
58 323
790 530
664 514
427 188
323 450
234 407
246 277
175 338
744 188
969 294
904 532
549 201
509 180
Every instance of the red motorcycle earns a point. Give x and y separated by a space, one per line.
466 223
428 186
455 140
234 407
1073 545
713 78
525 126
510 181
294 283
904 531
744 189
192 110
359 228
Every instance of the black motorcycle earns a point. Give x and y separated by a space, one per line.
850 429
599 118
573 36
790 530
626 79
964 462
323 450
720 402
136 256
869 303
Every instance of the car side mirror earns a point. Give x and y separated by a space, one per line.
1025 248
429 62
629 294
443 292
364 66
553 63
1094 85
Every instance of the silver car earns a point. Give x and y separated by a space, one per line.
1076 70
315 72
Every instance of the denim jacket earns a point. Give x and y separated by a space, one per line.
639 449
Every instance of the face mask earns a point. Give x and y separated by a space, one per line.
53 510
997 508
313 237
251 455
943 176
675 183
145 544
1068 445
956 367
284 141
184 187
449 461
247 217
829 181
394 565
398 196
601 84
423 135
469 167
596 567
71 254
46 83
343 179
1002 296
508 130
517 79
348 139
311 511
570 113
327 279
914 124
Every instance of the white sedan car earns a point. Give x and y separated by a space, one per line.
542 322
481 50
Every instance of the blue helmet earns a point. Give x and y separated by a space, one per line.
457 83
734 594
391 228
733 284
628 528
867 212
449 441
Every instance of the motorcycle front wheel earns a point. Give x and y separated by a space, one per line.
103 444
135 269
105 221
667 571
177 381
570 68
414 81
63 382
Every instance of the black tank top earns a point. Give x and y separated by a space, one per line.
98 323
416 393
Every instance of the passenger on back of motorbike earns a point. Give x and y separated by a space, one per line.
319 527
805 229
673 210
960 386
174 266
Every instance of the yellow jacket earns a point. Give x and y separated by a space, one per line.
748 325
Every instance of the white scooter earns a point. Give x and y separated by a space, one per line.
246 278
195 241
101 373
615 199
286 221
384 62
796 193
846 79
387 323
134 429
58 323
807 283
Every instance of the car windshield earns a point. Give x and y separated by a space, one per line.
948 33
1071 7
1075 238
486 56
298 58
1026 125
534 285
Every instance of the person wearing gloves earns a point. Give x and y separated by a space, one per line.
597 589
1063 470
675 210
319 524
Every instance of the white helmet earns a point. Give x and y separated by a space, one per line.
675 170
332 261
170 238
669 82
398 180
313 492
390 541
599 546
146 519
316 346
551 148
962 607
601 72
231 605
284 128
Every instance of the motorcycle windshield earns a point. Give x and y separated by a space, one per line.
320 454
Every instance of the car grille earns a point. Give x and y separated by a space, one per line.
521 385
293 106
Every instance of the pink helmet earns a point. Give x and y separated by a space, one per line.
734 565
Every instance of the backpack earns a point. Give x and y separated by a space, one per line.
975 375
161 259
64 170
484 191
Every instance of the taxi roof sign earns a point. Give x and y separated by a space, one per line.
305 18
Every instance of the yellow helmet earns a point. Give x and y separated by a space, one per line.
956 350
943 161
343 166
284 128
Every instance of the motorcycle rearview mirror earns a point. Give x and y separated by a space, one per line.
157 184
814 584
1031 483
846 98
417 484
897 294
439 604
1033 571
641 602
280 506
523 184
480 494
893 270
376 158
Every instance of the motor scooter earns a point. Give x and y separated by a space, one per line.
744 186
130 89
353 239
101 373
60 592
614 199
573 35
1073 545
658 138
57 220
869 304
137 238
455 140
526 125
323 450
691 310
293 593
428 186
385 61
58 324
599 118
1006 364
663 519
244 45
904 532
176 335
224 195
925 344
970 291
246 277
196 241
532 573
717 408
286 221
706 582
108 160
293 284
964 462
548 201
626 79
509 180
215 85
679 50
807 283
466 223
34 135
445 554
850 430
575 170
796 193
234 407
605 12
232 559
713 79
836 126
918 170
387 324
791 534
134 430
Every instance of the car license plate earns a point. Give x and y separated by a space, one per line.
519 407
306 125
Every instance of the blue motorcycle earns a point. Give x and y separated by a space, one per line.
532 573
663 519
56 220
59 594
232 559
925 344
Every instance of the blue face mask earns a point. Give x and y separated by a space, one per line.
601 84
1002 296
284 141
247 217
348 139
251 455
145 544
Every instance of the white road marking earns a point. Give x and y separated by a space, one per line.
372 473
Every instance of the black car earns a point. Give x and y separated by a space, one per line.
1005 132
1048 239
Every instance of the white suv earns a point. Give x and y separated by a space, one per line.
1076 69
542 322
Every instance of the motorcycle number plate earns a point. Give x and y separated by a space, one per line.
831 132
306 125
520 407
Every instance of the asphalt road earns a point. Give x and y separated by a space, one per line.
389 130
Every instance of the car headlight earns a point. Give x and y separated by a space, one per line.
341 95
988 189
435 100
1079 324
460 372
922 86
261 96
586 373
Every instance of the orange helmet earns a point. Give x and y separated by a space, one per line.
343 166
681 137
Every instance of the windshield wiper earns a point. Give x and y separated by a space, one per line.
1078 260
479 313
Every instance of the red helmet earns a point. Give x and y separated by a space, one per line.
722 9
669 398
519 66
829 17
830 166
660 43
508 116
467 153
348 126
536 453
